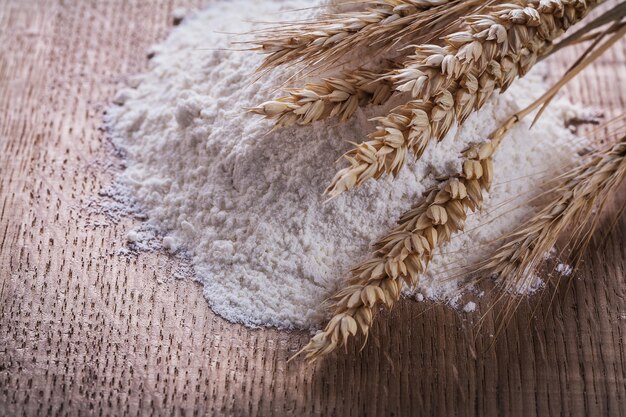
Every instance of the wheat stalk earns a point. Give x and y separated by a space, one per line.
575 202
405 253
449 82
334 96
335 34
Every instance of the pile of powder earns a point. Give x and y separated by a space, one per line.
246 206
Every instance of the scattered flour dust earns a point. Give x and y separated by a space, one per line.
247 206
469 307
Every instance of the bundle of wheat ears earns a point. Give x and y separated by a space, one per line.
443 59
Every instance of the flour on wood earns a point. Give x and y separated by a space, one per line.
246 205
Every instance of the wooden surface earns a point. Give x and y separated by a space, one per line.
86 332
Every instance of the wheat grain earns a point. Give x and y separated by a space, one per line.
341 95
335 96
449 82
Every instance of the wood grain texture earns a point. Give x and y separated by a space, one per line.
85 332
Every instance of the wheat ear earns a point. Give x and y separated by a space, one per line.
336 34
449 82
403 255
575 202
342 95
336 96
406 252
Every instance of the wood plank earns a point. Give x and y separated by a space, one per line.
86 332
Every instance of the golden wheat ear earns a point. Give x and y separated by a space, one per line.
578 196
339 97
575 204
449 82
329 37
402 256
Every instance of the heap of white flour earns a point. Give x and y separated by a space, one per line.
247 206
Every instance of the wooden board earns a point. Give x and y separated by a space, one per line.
86 332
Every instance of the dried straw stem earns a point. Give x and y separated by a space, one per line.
574 204
449 82
335 96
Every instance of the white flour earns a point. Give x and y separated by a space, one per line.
247 206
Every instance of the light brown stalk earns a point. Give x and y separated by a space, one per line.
449 82
334 96
575 203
